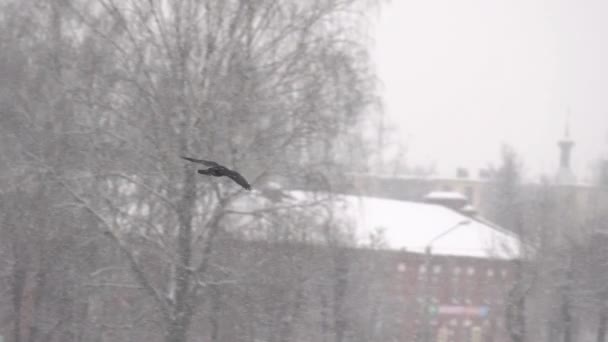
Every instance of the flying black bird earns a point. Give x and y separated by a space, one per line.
218 170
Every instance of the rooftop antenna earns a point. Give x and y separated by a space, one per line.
567 123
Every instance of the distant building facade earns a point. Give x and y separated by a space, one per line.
480 189
448 273
453 299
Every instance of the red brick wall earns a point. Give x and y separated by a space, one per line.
465 297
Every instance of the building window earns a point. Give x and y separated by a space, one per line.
401 267
437 269
476 334
456 270
471 270
422 269
490 273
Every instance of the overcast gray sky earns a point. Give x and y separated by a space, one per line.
462 76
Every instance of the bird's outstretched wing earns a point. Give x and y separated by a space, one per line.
201 161
238 178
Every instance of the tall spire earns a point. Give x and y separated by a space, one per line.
564 173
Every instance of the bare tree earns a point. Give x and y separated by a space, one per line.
121 89
508 211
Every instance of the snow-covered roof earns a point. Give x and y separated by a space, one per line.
449 195
412 226
405 225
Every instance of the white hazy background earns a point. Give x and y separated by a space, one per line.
460 77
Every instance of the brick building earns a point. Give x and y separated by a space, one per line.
464 297
451 272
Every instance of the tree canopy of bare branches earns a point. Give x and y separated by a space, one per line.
99 98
